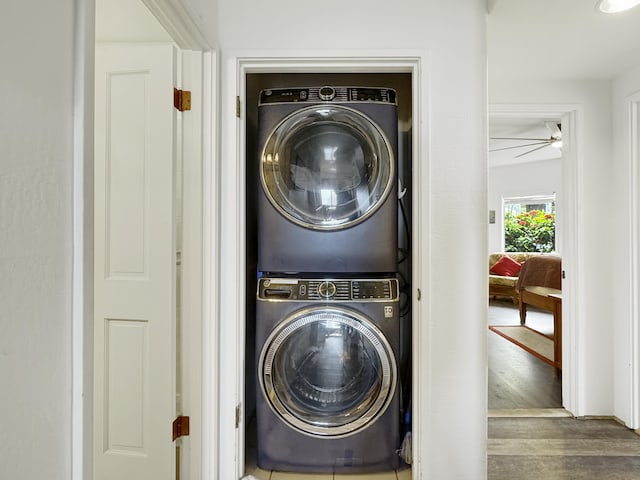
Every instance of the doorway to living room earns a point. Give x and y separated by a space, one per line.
524 193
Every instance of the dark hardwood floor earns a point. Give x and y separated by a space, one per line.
529 444
517 379
561 448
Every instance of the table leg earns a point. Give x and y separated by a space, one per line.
557 332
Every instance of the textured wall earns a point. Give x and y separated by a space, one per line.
35 238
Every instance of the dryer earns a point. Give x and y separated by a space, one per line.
327 200
328 395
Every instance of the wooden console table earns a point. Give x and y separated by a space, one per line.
551 302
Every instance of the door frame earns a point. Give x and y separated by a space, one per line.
632 133
573 342
200 138
233 193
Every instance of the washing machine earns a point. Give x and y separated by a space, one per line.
328 390
327 200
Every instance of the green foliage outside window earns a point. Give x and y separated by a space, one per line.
533 231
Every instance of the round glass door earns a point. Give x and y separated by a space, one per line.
327 167
327 371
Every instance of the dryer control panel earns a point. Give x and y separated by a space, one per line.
328 94
328 290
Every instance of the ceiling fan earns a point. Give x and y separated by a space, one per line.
554 140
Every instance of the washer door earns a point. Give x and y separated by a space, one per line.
327 371
327 167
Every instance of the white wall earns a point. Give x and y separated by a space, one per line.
36 184
449 38
523 179
625 319
36 139
127 21
35 211
593 271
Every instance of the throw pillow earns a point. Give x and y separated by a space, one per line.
506 267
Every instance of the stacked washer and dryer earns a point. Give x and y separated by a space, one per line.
327 312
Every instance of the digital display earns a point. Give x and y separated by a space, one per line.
372 95
371 290
276 96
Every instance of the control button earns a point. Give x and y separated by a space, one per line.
326 93
327 289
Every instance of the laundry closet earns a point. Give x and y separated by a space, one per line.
328 255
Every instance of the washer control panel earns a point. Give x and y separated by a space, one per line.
328 290
323 94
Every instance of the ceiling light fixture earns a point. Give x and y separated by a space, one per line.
616 6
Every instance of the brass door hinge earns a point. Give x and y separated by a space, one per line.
237 106
180 427
182 99
238 413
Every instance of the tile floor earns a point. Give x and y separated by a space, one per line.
264 475
259 474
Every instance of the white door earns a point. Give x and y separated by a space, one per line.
135 299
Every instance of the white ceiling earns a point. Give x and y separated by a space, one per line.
563 39
553 39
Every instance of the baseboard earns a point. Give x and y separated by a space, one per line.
529 413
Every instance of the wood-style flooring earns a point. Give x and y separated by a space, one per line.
517 379
561 449
530 437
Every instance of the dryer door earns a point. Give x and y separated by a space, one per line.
327 167
327 371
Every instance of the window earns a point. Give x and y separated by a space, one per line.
530 223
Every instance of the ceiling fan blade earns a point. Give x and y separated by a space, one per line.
533 150
555 129
520 138
546 142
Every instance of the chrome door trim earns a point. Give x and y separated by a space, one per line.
359 121
354 319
